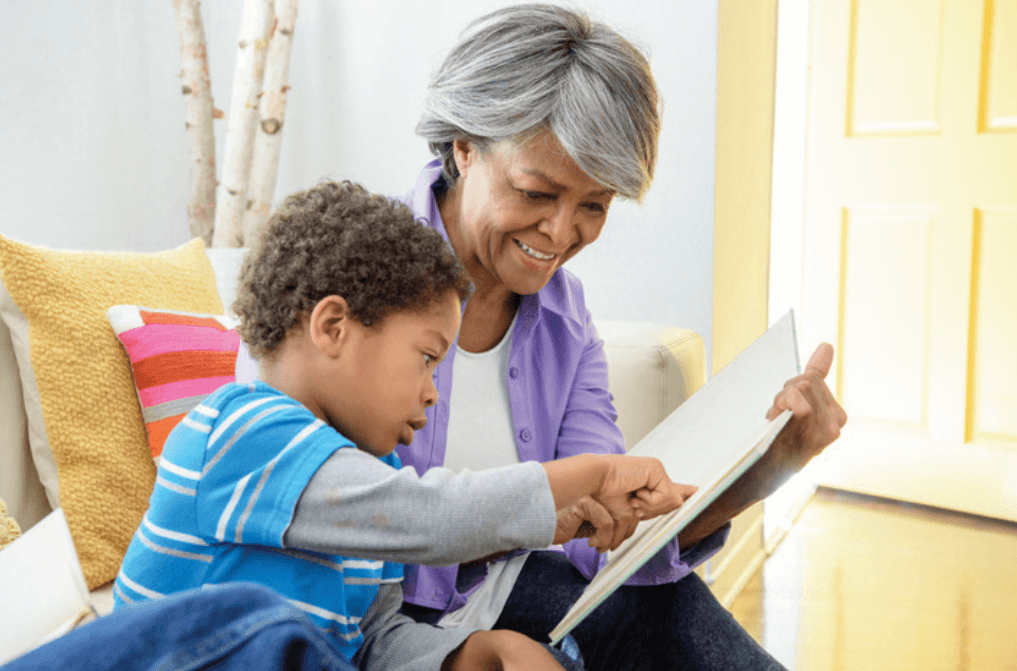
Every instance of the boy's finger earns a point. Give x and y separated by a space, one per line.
585 530
597 522
624 527
663 500
686 490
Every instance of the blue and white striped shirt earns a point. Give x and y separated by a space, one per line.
228 483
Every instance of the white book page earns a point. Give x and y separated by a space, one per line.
45 594
709 441
725 416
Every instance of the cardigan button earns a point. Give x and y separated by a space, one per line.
513 372
525 435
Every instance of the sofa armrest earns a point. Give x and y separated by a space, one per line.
20 486
652 369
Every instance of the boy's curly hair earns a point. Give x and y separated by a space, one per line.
337 238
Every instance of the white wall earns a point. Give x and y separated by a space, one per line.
95 155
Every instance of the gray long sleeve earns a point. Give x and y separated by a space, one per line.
395 642
358 506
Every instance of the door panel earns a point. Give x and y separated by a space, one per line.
993 402
897 241
910 251
999 70
893 90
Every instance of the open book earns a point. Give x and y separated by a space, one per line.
44 591
709 441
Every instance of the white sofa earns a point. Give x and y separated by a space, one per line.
653 368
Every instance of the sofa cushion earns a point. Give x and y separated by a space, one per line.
653 368
177 358
85 427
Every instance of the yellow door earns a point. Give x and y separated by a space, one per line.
910 250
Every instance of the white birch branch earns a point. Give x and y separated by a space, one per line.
255 31
272 110
197 92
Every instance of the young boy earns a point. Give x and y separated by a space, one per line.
349 304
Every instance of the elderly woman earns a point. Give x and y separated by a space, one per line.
540 118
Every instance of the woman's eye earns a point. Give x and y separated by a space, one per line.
537 195
596 208
428 359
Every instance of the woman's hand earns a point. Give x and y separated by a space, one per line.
816 419
500 650
816 422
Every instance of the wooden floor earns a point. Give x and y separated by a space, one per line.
863 584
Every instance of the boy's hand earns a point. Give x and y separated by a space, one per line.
500 650
639 487
587 519
628 488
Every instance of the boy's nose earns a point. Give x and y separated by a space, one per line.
430 393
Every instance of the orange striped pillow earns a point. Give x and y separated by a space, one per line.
177 358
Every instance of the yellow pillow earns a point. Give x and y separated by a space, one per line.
86 408
9 529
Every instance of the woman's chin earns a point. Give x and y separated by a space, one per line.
528 278
529 285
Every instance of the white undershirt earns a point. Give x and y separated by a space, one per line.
480 436
480 433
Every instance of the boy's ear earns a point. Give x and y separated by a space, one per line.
330 323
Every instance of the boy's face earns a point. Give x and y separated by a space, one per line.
378 398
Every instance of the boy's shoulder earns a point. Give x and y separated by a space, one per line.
251 406
225 411
233 400
255 408
240 392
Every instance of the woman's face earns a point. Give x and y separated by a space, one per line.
523 210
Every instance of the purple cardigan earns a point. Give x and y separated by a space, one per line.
557 384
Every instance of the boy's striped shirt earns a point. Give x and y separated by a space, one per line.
228 483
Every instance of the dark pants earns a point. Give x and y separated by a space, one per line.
678 626
234 626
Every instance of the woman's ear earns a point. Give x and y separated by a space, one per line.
465 153
330 323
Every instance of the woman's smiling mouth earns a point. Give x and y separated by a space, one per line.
530 251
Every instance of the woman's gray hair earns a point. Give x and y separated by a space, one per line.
528 68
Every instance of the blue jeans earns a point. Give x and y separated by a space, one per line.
234 626
677 626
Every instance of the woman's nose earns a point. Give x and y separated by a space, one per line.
560 227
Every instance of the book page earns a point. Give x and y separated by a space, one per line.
728 413
45 594
709 441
